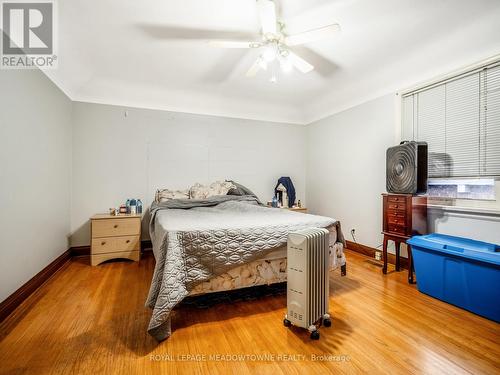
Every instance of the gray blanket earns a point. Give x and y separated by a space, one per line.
195 240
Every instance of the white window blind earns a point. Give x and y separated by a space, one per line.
460 120
490 122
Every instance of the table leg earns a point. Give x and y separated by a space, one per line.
397 246
384 252
410 265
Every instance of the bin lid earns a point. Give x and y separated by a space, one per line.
458 247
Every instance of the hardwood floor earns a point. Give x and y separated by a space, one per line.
92 320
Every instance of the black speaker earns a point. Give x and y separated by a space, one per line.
406 168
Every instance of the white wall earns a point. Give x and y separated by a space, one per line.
35 174
346 167
118 156
456 222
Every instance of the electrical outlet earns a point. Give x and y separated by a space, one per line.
378 255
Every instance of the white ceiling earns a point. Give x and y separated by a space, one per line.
114 52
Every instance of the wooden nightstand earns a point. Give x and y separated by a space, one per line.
115 237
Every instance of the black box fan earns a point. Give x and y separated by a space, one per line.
406 168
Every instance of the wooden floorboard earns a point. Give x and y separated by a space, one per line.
92 320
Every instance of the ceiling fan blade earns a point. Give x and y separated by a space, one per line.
299 63
224 67
312 35
171 32
323 66
252 72
267 13
233 44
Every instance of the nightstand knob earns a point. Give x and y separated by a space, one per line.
103 243
116 225
128 241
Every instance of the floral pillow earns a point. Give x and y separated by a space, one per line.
163 195
199 191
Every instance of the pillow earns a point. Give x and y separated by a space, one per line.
166 194
199 191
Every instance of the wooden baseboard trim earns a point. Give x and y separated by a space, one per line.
80 251
370 252
15 299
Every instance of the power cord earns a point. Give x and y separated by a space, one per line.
352 235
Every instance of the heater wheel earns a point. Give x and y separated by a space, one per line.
315 335
326 321
286 322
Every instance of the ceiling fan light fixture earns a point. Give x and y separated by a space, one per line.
269 54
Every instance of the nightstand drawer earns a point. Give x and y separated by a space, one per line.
115 244
396 199
397 229
127 243
399 215
115 227
103 245
396 220
396 206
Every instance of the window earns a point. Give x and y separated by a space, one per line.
460 120
483 188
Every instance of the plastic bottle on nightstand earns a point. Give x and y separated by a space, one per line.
127 204
139 207
133 207
274 202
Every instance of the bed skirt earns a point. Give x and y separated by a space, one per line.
259 272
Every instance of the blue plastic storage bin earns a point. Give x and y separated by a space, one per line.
460 271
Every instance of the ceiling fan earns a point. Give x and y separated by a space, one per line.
276 44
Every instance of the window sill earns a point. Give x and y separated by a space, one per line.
467 210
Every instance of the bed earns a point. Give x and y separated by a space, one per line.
220 243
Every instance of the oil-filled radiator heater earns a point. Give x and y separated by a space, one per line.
307 280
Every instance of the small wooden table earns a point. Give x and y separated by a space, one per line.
115 237
404 215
